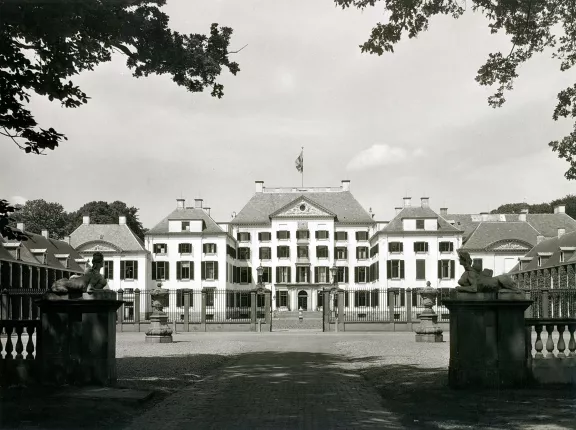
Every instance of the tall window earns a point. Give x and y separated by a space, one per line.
446 246
374 272
185 270
283 274
283 235
243 253
322 234
109 269
361 274
446 269
395 269
265 236
420 247
185 248
341 253
210 270
302 274
282 299
419 224
245 275
321 252
265 253
210 296
341 235
374 250
366 298
302 251
180 298
361 235
243 236
477 263
302 234
342 274
420 270
267 275
160 270
160 248
129 270
395 247
283 251
322 275
209 248
361 252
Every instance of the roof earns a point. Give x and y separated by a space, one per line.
52 247
488 233
119 235
209 226
551 245
396 224
341 203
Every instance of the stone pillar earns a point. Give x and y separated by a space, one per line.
137 309
253 311
428 330
159 331
341 303
120 313
203 311
409 305
186 293
268 310
391 305
487 340
326 311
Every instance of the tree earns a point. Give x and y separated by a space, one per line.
38 215
5 231
533 26
540 208
107 213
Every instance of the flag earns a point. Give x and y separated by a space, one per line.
300 162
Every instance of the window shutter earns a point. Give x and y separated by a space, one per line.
260 253
316 277
389 269
374 300
289 274
122 270
135 270
401 269
415 246
203 270
179 298
191 277
357 253
452 269
316 234
426 246
215 270
346 299
277 276
278 235
401 246
402 297
154 270
180 248
451 246
178 270
249 275
287 235
204 248
356 275
166 269
249 236
420 269
439 269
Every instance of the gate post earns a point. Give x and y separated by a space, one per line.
253 310
120 312
326 310
186 293
341 303
409 306
391 305
137 309
203 312
268 310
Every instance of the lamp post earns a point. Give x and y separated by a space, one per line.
334 273
259 271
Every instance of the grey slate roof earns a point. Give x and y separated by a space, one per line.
487 233
396 224
549 245
119 235
192 214
342 203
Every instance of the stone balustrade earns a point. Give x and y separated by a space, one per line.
18 352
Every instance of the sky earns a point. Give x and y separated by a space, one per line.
413 123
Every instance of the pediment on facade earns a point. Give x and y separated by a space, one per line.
98 246
510 245
302 207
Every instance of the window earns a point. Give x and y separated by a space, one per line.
209 248
302 251
243 237
362 298
283 274
282 299
265 253
374 272
160 248
266 275
160 270
562 256
361 235
243 253
210 270
361 274
322 234
395 247
321 275
180 298
283 235
231 251
185 270
283 251
374 251
399 298
477 264
210 296
419 224
302 274
420 270
128 270
302 234
446 246
446 269
108 269
265 236
342 274
185 248
361 252
341 253
185 225
420 247
245 275
341 235
395 269
321 252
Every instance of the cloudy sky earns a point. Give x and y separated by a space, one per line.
411 123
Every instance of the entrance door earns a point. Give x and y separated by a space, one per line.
303 300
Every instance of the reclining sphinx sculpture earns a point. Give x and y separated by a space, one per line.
475 280
86 283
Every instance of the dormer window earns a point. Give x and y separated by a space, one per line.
160 248
446 247
419 224
361 235
283 235
562 257
395 247
243 236
64 259
539 261
185 225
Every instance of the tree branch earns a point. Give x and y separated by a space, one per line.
235 52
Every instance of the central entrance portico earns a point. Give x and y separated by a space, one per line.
291 297
303 300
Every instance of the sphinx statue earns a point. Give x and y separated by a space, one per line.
475 280
89 281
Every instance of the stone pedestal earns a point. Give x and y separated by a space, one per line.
428 330
77 339
487 340
159 332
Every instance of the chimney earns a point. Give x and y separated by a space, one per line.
122 220
560 209
198 203
398 210
86 219
259 186
407 202
561 232
484 216
45 234
522 216
424 201
20 226
180 203
539 239
444 211
207 211
345 185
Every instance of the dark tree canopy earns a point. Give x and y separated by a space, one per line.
38 215
45 43
540 208
534 26
107 213
6 217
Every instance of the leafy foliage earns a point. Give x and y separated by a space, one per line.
533 27
540 208
43 44
107 213
5 231
38 215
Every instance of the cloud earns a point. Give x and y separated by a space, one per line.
381 155
18 200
